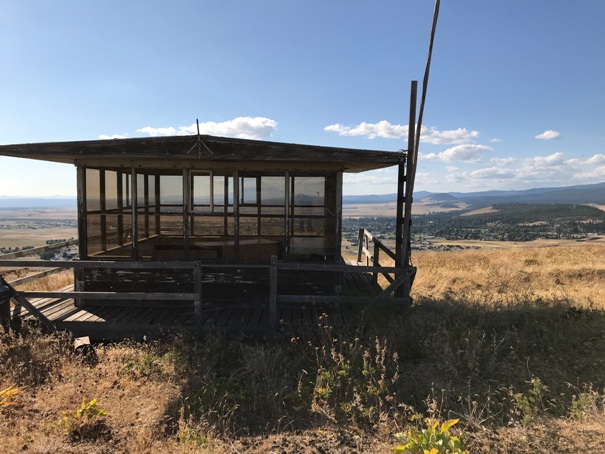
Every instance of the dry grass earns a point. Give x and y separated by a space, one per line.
510 342
572 273
51 282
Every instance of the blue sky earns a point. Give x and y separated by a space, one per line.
516 97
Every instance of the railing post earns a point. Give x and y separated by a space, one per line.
197 289
79 285
273 292
375 259
360 239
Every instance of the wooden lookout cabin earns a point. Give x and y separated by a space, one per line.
203 232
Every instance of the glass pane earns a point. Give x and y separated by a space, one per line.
248 190
272 227
273 191
113 239
143 221
309 191
308 211
126 229
308 227
201 190
111 189
273 211
93 226
171 225
248 211
171 190
93 190
151 183
248 226
141 190
208 226
152 225
219 190
126 190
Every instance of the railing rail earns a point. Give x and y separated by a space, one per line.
37 250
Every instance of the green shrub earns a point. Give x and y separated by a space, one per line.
87 422
434 439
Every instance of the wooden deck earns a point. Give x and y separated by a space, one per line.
250 317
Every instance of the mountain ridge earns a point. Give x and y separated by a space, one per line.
580 194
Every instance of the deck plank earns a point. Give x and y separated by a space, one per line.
123 314
68 309
224 318
58 306
160 315
76 315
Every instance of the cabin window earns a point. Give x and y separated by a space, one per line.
108 215
310 213
276 214
249 190
201 193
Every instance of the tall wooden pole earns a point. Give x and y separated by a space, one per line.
410 176
406 170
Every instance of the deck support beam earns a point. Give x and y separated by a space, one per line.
197 289
273 292
134 213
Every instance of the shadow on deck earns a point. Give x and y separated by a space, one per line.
117 320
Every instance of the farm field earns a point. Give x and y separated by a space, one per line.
33 227
390 209
510 342
540 243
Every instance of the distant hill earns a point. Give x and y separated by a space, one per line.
580 194
436 199
33 202
363 199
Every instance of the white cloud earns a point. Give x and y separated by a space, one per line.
368 178
157 132
548 135
426 178
113 136
493 172
551 169
453 136
596 159
597 174
574 162
241 128
502 161
495 140
555 159
384 129
465 153
511 173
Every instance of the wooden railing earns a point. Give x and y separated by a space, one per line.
370 249
196 297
